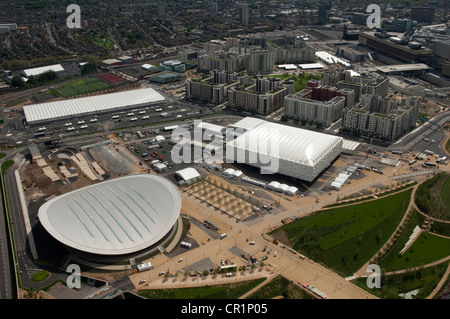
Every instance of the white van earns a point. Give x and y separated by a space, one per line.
223 236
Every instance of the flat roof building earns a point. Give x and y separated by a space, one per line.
66 109
37 71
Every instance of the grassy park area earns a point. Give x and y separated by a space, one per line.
280 287
86 85
344 238
423 279
432 196
426 249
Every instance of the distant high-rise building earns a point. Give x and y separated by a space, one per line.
161 9
441 49
215 6
261 62
422 14
244 14
323 14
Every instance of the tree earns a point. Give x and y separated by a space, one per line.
17 81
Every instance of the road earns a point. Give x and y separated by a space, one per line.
6 280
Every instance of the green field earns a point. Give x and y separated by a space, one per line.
445 192
344 238
280 287
426 249
81 86
391 286
224 291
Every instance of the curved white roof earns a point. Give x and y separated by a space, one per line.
301 153
295 144
36 113
115 217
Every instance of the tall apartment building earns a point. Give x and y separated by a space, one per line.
244 14
226 61
422 14
441 49
298 53
365 85
318 104
161 9
260 62
214 88
263 96
377 118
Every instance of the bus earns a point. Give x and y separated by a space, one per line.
430 164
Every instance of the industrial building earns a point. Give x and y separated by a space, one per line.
166 77
117 218
402 52
37 71
67 109
301 154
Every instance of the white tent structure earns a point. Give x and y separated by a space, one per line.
336 185
283 149
273 185
291 190
188 174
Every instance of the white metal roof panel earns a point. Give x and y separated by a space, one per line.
188 174
301 153
36 113
42 69
115 217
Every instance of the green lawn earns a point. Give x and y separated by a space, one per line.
426 249
423 279
6 165
344 238
416 219
280 286
224 291
445 192
81 86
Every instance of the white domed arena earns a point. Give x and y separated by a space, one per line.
115 219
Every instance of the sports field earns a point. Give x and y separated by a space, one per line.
344 238
81 86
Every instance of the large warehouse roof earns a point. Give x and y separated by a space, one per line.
115 217
302 153
45 112
43 69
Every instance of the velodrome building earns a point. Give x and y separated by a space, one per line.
36 114
115 220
